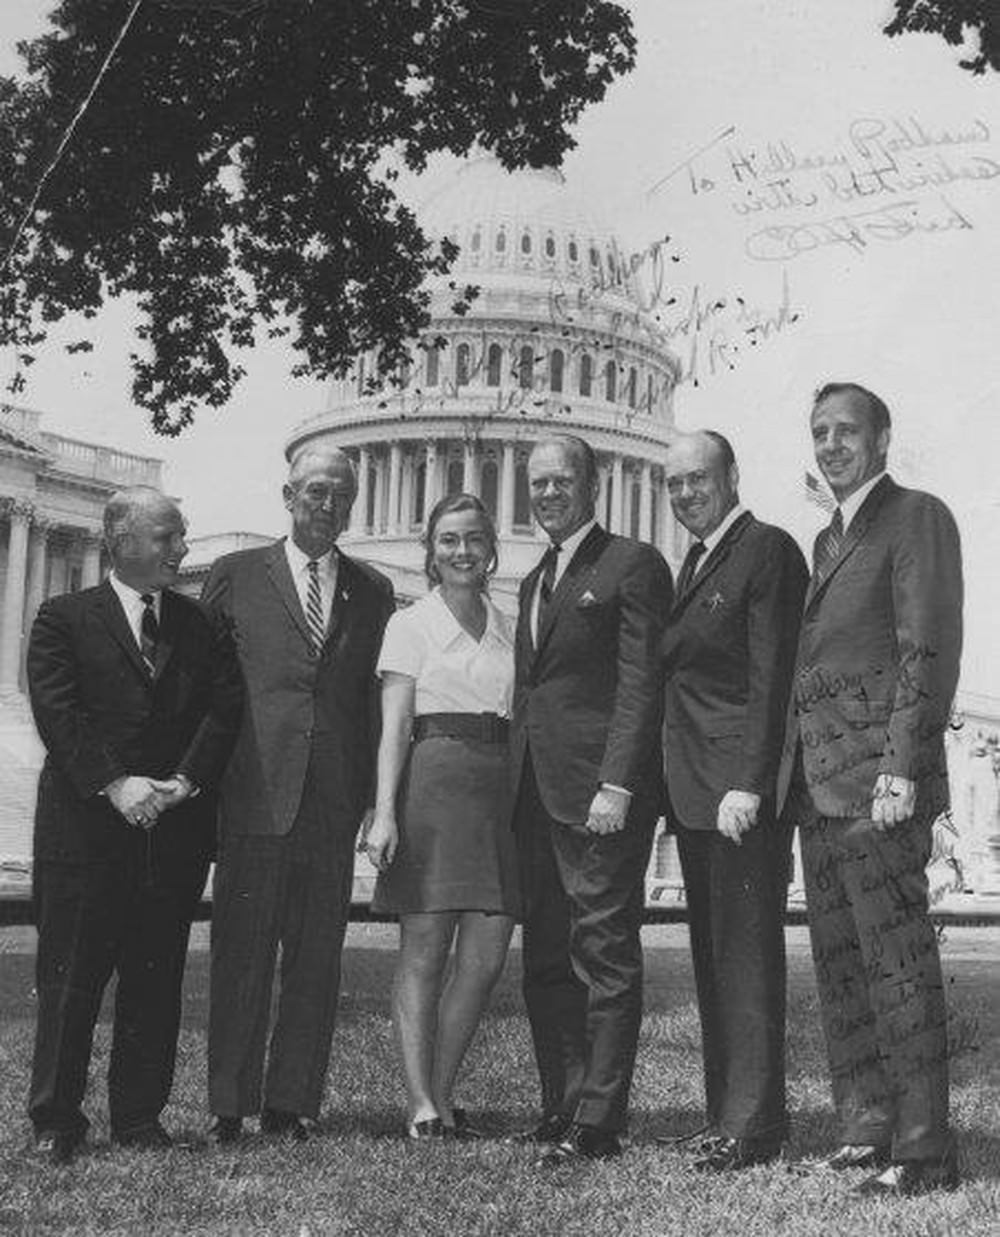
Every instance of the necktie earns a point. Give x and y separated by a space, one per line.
691 561
828 544
149 631
548 579
314 608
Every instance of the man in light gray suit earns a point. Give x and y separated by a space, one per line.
308 624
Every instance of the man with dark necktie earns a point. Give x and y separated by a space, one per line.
729 656
136 694
586 763
877 672
308 623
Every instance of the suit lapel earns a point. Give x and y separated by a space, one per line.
280 575
586 554
715 559
853 537
113 616
346 580
168 632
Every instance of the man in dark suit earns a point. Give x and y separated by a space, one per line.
729 657
877 671
308 623
587 769
136 696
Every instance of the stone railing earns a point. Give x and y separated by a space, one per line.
84 459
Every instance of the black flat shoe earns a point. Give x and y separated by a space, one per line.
551 1129
152 1137
279 1124
582 1143
910 1178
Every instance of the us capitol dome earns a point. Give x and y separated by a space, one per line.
556 340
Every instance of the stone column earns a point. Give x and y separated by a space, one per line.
395 471
646 501
359 512
406 493
432 477
470 478
617 493
91 573
508 476
377 516
19 513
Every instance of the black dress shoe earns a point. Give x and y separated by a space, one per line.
58 1146
733 1153
583 1142
151 1137
463 1129
855 1155
280 1124
551 1129
698 1142
909 1178
224 1131
429 1127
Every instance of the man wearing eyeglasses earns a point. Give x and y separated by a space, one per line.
308 624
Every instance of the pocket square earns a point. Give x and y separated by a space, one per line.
586 600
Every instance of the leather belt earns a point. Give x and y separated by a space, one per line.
483 727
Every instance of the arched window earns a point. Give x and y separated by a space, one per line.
649 393
526 242
494 359
630 386
610 372
462 365
595 258
574 252
456 473
522 495
419 491
586 374
488 486
634 511
550 246
526 367
501 241
433 367
404 375
556 364
477 241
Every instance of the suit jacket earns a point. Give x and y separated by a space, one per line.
729 657
101 715
588 699
297 703
879 654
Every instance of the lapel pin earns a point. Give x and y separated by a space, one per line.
713 602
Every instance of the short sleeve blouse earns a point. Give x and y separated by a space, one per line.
454 673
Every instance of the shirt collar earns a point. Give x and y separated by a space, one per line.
573 542
446 630
851 505
298 560
131 598
713 538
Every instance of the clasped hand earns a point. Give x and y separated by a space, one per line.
141 800
737 813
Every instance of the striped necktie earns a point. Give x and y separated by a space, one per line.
314 608
828 544
149 631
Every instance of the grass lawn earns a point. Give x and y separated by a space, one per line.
361 1177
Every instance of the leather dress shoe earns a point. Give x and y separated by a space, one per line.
151 1137
909 1178
855 1155
225 1131
734 1153
429 1127
58 1146
280 1124
582 1142
552 1128
463 1129
698 1142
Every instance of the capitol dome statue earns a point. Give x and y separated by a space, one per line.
556 340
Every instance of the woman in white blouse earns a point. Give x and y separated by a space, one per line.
441 834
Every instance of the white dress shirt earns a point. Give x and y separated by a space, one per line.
713 539
298 563
567 549
132 604
454 673
851 505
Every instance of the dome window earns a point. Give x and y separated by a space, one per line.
610 375
586 375
522 496
477 241
550 246
526 242
501 241
595 258
494 359
630 386
433 367
574 251
488 487
462 365
526 368
556 365
649 393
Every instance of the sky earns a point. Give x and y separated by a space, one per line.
830 197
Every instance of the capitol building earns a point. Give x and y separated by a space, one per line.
555 340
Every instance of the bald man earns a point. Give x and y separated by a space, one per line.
136 696
308 623
729 657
